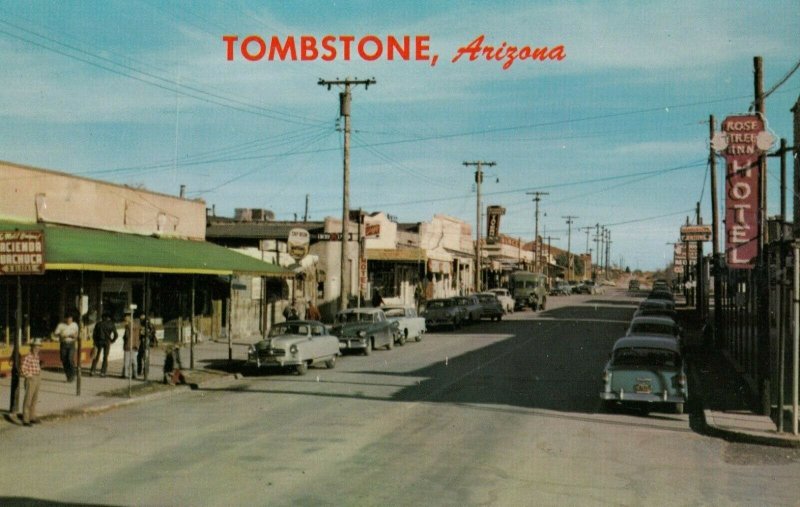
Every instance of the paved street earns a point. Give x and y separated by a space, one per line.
498 413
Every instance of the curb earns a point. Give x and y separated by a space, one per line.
742 436
747 437
88 410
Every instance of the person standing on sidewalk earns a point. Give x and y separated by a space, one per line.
32 373
130 342
147 339
67 333
105 333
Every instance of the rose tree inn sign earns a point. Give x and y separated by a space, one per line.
743 140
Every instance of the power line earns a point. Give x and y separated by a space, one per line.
516 191
160 82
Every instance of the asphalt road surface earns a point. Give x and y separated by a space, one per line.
494 414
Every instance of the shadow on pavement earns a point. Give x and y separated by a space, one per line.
24 501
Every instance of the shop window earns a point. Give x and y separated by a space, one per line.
115 304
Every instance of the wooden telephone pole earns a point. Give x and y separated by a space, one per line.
344 111
536 243
478 180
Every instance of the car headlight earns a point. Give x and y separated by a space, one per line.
362 333
293 349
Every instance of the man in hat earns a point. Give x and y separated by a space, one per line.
130 344
67 333
32 373
147 339
105 333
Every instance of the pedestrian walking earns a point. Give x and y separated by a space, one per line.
130 343
105 333
377 300
67 333
290 312
312 312
147 338
32 373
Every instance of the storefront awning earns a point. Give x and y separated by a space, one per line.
397 254
77 249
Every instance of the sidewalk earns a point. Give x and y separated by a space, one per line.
58 399
726 401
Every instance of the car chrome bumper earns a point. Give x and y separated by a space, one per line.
641 397
264 362
354 343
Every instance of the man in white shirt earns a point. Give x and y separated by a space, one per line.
67 333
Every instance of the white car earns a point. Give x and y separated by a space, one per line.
295 344
506 301
410 325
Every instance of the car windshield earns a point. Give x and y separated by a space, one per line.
350 317
438 303
394 312
289 328
652 328
642 356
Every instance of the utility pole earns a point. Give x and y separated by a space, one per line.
587 230
596 249
478 180
549 250
761 280
569 245
344 111
602 252
537 245
700 303
305 215
608 250
796 279
712 163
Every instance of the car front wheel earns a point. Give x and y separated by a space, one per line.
679 408
301 368
368 348
331 363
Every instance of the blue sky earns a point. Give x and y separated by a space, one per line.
140 93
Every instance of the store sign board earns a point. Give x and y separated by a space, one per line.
21 253
298 242
742 141
493 214
696 233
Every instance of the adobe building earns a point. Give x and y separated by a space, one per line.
107 247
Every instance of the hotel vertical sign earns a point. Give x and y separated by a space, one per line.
21 253
742 141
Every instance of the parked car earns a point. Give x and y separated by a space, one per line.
661 284
364 329
506 301
645 371
633 284
410 326
668 302
442 312
656 307
529 289
469 307
491 306
588 287
655 325
561 289
295 344
661 294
